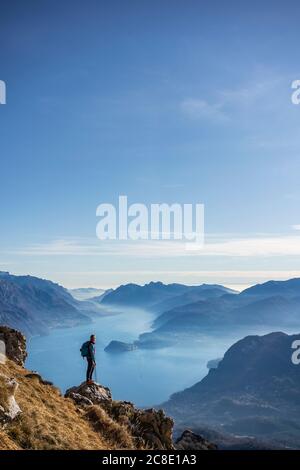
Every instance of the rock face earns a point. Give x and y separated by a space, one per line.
120 347
95 394
191 441
15 344
9 409
148 427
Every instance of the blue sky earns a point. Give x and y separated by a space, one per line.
164 102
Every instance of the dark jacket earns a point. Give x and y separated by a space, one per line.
92 352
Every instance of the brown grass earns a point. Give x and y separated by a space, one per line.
110 429
49 421
6 443
4 395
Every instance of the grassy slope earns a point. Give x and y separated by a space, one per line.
49 421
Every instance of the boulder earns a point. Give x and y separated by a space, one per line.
15 344
191 441
80 400
9 409
95 393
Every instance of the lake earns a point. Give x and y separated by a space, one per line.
145 377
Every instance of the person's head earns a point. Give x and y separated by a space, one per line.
93 339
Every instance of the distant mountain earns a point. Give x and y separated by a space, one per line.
98 299
254 391
133 295
35 305
274 303
202 309
191 295
86 293
160 297
288 289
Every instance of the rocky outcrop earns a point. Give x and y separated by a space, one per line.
95 394
15 344
96 421
191 441
9 409
151 428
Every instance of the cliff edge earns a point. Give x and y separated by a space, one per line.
34 414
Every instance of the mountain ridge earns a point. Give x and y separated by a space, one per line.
254 390
35 305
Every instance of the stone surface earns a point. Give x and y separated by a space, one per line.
15 344
97 394
191 441
9 409
80 400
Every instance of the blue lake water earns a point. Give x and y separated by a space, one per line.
145 377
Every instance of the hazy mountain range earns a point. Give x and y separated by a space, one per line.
272 304
254 391
86 293
34 305
159 297
252 396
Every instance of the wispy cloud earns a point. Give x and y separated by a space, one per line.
236 279
201 109
228 102
249 246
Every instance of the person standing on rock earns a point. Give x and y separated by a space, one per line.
88 350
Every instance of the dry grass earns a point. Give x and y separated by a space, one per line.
6 443
4 395
49 421
114 432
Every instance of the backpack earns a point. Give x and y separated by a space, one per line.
85 349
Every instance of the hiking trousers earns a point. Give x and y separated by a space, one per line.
90 369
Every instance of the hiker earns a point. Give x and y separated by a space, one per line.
88 351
